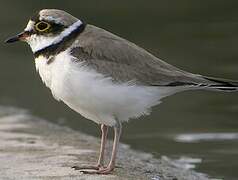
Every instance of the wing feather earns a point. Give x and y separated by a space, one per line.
124 61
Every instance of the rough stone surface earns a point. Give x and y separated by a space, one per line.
32 148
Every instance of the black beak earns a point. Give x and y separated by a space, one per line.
20 37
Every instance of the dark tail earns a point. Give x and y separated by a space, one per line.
221 84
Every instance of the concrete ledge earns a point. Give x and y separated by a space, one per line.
32 148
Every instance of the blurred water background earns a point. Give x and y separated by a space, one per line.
198 36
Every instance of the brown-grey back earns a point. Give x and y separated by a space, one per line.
124 61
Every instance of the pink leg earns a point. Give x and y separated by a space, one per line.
104 130
111 165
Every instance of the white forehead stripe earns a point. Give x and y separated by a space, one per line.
48 41
30 25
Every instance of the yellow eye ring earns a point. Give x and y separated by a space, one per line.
42 26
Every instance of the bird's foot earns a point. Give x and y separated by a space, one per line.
87 167
101 170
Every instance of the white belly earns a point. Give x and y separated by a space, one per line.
94 96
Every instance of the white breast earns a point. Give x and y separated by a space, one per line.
53 74
92 95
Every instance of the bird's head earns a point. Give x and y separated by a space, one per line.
48 27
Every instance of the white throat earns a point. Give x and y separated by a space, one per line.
38 42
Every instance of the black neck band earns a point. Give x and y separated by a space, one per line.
56 48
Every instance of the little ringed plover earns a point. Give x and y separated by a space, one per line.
105 78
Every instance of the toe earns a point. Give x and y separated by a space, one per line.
105 171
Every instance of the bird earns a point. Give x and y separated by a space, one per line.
104 77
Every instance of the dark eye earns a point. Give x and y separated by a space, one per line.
42 26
